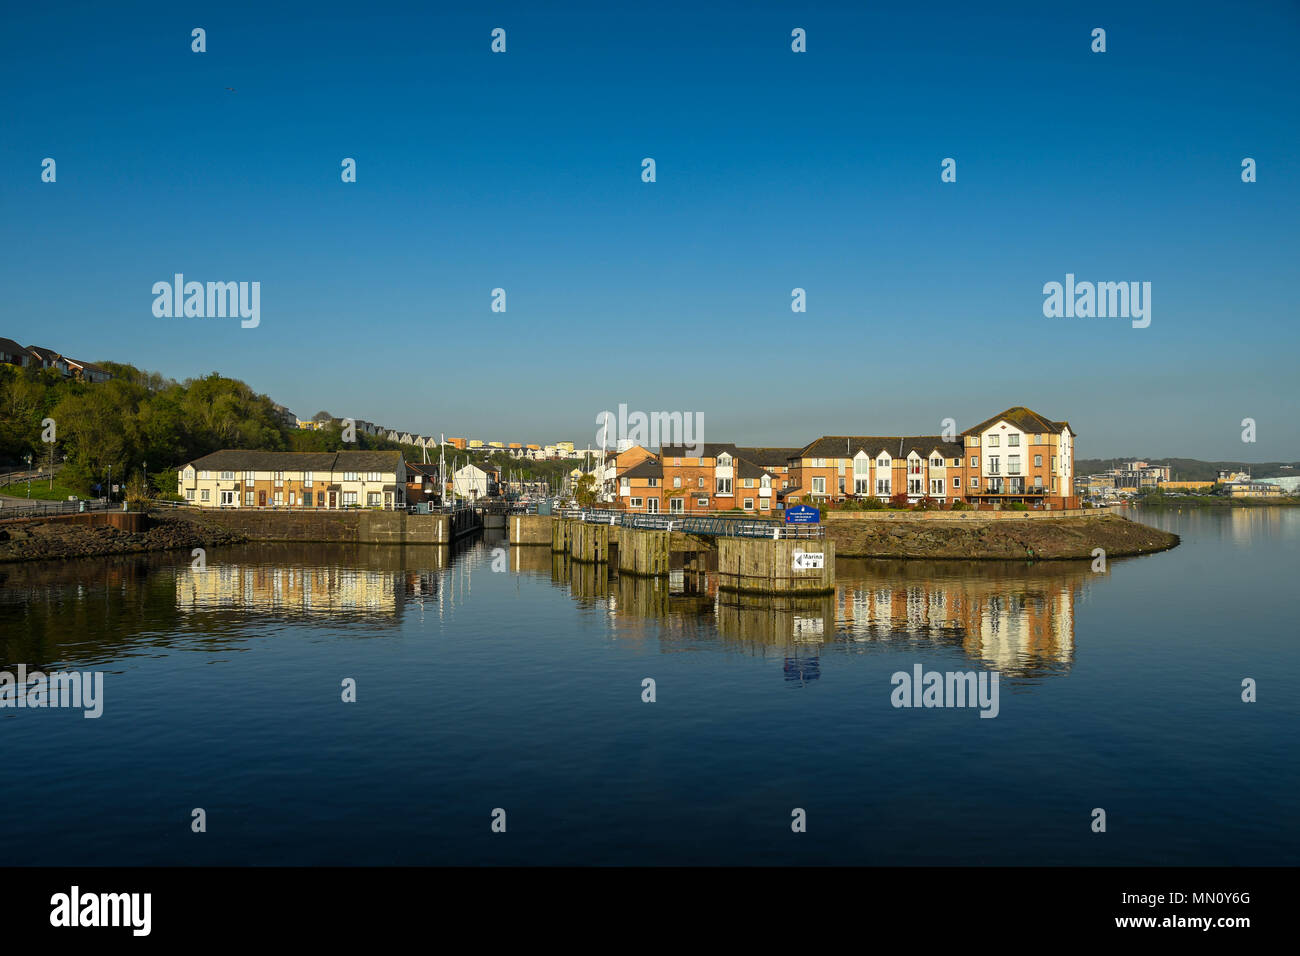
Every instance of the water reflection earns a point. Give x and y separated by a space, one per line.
103 609
1014 618
1017 619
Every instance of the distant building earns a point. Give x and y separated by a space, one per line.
470 482
1289 484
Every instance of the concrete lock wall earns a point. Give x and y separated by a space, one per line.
351 527
763 565
530 529
643 552
589 543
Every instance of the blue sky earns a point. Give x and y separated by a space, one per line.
775 170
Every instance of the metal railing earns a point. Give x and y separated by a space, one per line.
718 525
39 509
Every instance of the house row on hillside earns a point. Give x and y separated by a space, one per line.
35 356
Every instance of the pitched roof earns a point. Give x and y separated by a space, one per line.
848 446
233 459
1024 419
10 347
702 450
747 469
645 469
768 457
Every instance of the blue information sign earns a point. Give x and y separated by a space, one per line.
802 514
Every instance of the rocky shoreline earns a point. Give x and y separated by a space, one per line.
1058 539
42 540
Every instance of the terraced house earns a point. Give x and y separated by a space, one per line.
1015 457
714 477
271 479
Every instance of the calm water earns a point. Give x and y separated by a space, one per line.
522 690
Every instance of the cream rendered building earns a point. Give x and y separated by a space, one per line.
303 480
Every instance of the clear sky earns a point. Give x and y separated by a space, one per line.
775 170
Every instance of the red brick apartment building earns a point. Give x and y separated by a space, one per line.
1017 456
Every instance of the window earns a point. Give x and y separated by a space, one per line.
306 478
279 479
1013 441
227 475
936 462
248 498
320 499
1038 439
724 486
749 504
956 484
204 496
882 486
701 482
676 505
883 463
1038 461
652 482
1013 464
974 462
652 505
974 482
677 481
995 465
373 499
860 466
292 499
956 462
765 504
1053 482
819 486
749 482
373 476
702 502
914 486
248 479
279 497
634 503
1053 466
819 462
861 486
1038 482
349 476
993 441
349 499
936 486
203 475
189 494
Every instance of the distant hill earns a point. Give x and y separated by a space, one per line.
1193 469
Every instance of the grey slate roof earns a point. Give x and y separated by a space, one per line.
848 446
239 460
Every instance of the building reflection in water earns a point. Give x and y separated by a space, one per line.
1013 618
332 582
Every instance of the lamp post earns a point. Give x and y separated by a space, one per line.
29 476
